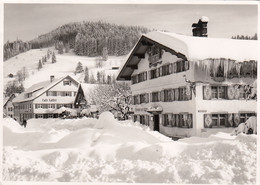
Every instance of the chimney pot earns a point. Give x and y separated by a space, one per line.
51 78
200 28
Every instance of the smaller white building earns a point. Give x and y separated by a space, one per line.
42 100
8 107
83 102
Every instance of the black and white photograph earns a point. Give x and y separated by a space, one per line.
159 93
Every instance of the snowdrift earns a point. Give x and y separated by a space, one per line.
105 150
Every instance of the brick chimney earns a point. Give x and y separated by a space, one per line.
51 78
200 28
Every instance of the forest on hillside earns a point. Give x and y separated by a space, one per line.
12 49
245 37
92 38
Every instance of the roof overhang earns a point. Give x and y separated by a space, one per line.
138 53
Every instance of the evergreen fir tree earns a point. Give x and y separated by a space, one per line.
39 65
48 54
98 77
86 78
79 68
53 58
92 79
108 79
104 54
60 48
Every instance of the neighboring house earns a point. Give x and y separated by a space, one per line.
83 101
43 99
184 86
83 96
8 106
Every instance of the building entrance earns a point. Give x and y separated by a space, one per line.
156 126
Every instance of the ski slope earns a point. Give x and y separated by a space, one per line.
65 65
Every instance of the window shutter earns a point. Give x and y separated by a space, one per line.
145 75
174 67
170 119
189 121
172 95
164 119
173 120
230 120
149 75
177 120
207 120
138 118
162 95
146 98
131 100
230 92
207 92
186 65
161 119
138 99
237 92
176 92
236 119
159 95
157 72
170 69
161 71
151 97
147 120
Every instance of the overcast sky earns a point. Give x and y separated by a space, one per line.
27 21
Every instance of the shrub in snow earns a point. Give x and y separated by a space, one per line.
106 120
251 124
239 129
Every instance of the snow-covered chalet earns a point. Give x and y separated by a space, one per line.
8 106
191 85
43 99
83 102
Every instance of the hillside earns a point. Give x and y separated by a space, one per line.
65 65
92 38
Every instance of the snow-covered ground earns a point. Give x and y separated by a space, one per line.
106 150
65 65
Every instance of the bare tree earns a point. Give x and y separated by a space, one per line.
116 97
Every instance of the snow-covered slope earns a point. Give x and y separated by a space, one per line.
105 150
65 65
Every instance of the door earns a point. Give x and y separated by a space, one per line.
156 126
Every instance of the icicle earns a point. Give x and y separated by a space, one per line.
208 66
225 67
216 63
238 68
231 65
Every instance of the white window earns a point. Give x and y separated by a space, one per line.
39 116
66 82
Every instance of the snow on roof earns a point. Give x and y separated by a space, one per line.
204 19
5 100
200 48
87 88
38 89
10 98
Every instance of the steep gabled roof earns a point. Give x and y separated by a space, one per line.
39 88
87 88
10 98
190 48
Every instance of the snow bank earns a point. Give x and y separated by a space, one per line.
105 150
